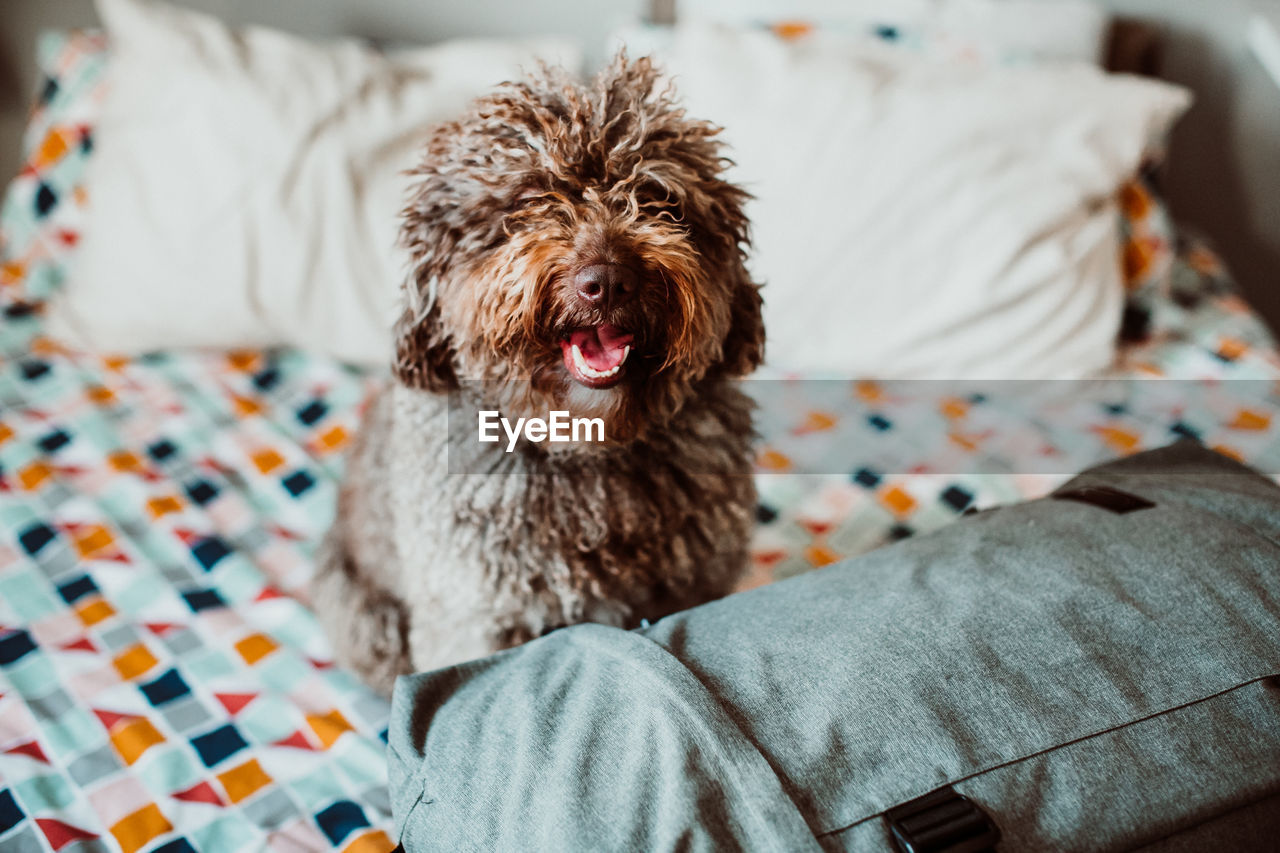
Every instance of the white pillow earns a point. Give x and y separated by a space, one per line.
246 184
918 218
990 30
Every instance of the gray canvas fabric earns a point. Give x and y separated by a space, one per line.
1093 680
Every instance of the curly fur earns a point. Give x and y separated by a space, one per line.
424 567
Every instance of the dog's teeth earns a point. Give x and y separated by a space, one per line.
590 372
581 363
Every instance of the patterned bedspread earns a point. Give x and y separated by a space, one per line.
164 687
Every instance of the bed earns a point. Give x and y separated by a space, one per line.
163 685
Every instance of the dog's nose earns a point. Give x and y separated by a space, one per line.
606 285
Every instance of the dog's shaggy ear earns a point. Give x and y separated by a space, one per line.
725 245
424 355
744 345
424 352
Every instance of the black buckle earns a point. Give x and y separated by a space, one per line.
1105 497
941 822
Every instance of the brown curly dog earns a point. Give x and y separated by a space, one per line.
575 248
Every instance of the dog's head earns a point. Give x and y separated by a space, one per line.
580 244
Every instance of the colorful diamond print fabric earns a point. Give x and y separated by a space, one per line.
163 685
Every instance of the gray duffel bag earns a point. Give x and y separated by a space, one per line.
1097 670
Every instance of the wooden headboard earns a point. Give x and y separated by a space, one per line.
1134 47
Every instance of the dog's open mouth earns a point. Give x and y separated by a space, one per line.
596 356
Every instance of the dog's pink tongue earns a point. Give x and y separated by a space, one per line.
603 347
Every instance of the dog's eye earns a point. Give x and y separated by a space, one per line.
529 194
653 192
525 203
656 196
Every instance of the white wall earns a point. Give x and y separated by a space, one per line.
1224 174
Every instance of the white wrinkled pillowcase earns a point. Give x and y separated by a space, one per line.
917 218
245 185
967 30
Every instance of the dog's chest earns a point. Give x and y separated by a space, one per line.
602 524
